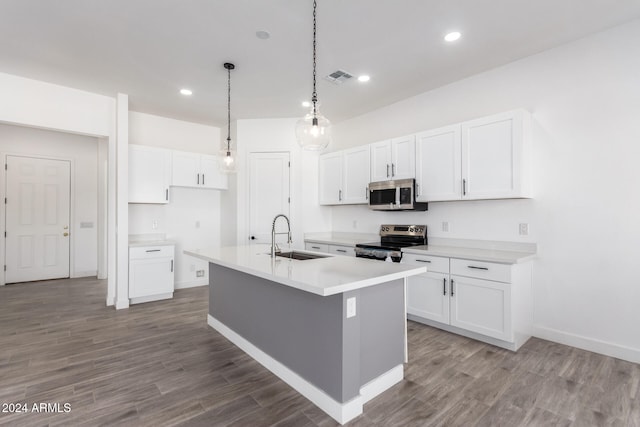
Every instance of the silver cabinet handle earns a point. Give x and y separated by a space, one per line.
366 194
452 283
339 195
198 178
417 189
172 266
341 250
464 187
423 260
152 250
393 169
315 247
166 194
477 268
444 286
202 179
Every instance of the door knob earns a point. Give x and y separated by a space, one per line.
66 227
65 234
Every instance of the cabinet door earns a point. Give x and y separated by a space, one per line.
428 296
330 171
186 169
149 277
438 165
481 306
356 175
403 156
492 156
210 174
149 174
380 161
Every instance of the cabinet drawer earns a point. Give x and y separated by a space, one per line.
433 263
151 252
342 250
316 247
481 270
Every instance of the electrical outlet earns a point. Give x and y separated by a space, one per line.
355 223
197 224
523 229
445 226
200 273
154 224
192 267
351 307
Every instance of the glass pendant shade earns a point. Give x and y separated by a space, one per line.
313 132
228 159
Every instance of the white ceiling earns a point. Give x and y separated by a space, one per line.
150 49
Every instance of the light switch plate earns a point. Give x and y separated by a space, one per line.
523 229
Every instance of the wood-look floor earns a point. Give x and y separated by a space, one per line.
160 364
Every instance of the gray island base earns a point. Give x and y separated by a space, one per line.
307 340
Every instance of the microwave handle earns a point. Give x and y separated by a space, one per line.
397 195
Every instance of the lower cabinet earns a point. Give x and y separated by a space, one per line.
487 301
330 249
151 271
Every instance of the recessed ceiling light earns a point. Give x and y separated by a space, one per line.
364 78
453 36
306 104
186 92
263 35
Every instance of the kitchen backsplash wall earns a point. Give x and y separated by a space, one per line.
584 99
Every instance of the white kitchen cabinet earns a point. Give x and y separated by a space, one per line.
342 250
393 159
149 174
197 171
487 301
481 306
355 175
316 247
151 273
438 165
496 156
344 177
330 178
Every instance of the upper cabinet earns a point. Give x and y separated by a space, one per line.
197 170
149 174
495 156
393 159
486 158
344 177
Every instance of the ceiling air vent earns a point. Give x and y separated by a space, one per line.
338 77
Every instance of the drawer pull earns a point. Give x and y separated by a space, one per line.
424 260
172 266
444 286
477 268
341 250
153 250
315 247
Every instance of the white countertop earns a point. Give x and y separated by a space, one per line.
322 276
476 254
142 243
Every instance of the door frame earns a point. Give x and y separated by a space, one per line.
3 210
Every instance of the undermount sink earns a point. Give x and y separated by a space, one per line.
299 255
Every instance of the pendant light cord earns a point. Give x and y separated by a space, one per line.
314 95
229 110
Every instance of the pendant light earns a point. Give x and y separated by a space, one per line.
227 155
313 131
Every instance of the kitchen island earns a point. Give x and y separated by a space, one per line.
334 328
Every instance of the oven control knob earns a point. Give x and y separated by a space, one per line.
411 230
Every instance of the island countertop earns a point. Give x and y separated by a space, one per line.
322 276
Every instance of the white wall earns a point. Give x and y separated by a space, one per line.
83 151
265 135
178 218
584 96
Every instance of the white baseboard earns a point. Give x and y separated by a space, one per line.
151 298
120 304
191 283
341 412
88 273
590 344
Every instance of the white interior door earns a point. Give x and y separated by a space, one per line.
268 194
37 219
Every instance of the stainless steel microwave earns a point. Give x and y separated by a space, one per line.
397 195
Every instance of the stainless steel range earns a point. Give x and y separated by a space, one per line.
392 239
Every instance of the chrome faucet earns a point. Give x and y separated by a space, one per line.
274 247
